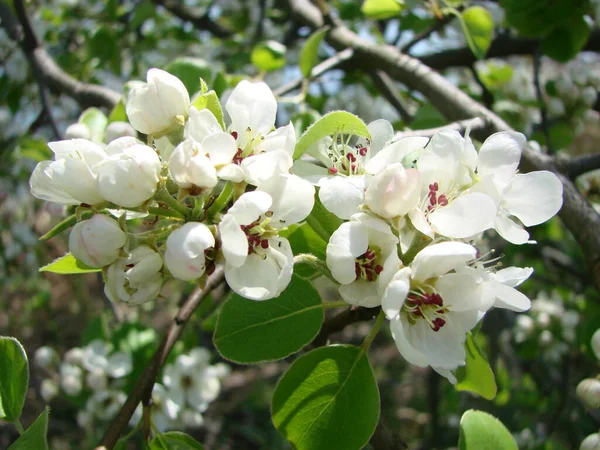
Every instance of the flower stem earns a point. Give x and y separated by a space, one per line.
312 260
222 200
19 426
369 339
339 304
163 196
165 212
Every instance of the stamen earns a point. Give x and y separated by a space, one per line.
234 134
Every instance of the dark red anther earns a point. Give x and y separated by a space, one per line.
357 269
370 275
363 151
264 243
437 299
353 167
351 157
333 170
443 200
432 199
234 134
250 249
378 269
430 208
438 323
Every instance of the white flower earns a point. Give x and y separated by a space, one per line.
71 378
105 404
158 106
192 418
74 356
129 176
46 357
164 409
588 390
116 130
48 390
189 165
393 192
96 380
592 442
96 358
78 131
259 264
71 178
185 253
135 279
362 255
98 241
342 181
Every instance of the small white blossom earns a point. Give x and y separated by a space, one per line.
48 390
71 378
190 166
185 254
96 357
98 241
46 357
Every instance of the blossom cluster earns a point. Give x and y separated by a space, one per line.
96 375
412 210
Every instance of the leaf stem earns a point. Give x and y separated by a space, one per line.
19 426
339 304
164 196
312 260
224 197
369 339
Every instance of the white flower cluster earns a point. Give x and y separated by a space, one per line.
588 391
414 207
98 376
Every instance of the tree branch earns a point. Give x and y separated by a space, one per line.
575 166
342 319
195 16
460 126
577 213
50 74
386 86
438 25
142 391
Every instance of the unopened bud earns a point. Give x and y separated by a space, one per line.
97 241
48 390
588 391
592 442
77 131
46 357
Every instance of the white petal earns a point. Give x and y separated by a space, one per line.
446 374
309 171
396 292
510 230
201 124
438 259
220 147
251 105
361 293
341 196
352 235
250 206
45 184
261 167
293 199
512 276
119 364
408 352
382 132
509 298
234 241
500 155
394 153
464 217
79 148
418 220
462 292
341 263
283 139
231 172
533 197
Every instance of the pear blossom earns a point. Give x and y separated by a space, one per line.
46 357
71 378
158 106
362 255
48 390
135 279
98 241
185 256
72 178
130 174
105 404
189 165
393 192
96 357
259 263
343 180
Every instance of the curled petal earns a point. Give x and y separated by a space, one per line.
342 195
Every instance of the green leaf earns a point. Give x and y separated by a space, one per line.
175 440
209 100
268 56
322 221
327 400
189 71
249 331
478 26
495 76
304 239
565 42
335 122
482 431
35 437
477 375
96 122
310 51
381 9
67 265
118 113
14 378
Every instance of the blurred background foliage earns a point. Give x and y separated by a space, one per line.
540 80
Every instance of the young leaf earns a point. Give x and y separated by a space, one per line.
14 378
310 50
304 239
189 71
35 437
210 101
323 222
175 440
328 125
327 400
67 265
478 26
381 9
96 122
482 431
477 375
565 42
118 113
249 331
268 56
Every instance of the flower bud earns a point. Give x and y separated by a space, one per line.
135 279
158 106
592 442
394 191
74 356
589 95
46 357
71 378
184 256
96 380
48 390
588 391
556 106
97 241
130 175
77 131
115 130
189 166
596 344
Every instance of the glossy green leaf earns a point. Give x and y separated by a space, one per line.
14 378
249 331
478 27
268 56
175 440
477 375
565 42
322 221
118 113
67 265
96 122
209 100
310 50
336 122
304 239
35 437
381 9
327 400
482 431
189 71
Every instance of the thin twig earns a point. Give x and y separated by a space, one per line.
341 320
437 26
196 16
575 166
386 86
142 392
537 68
